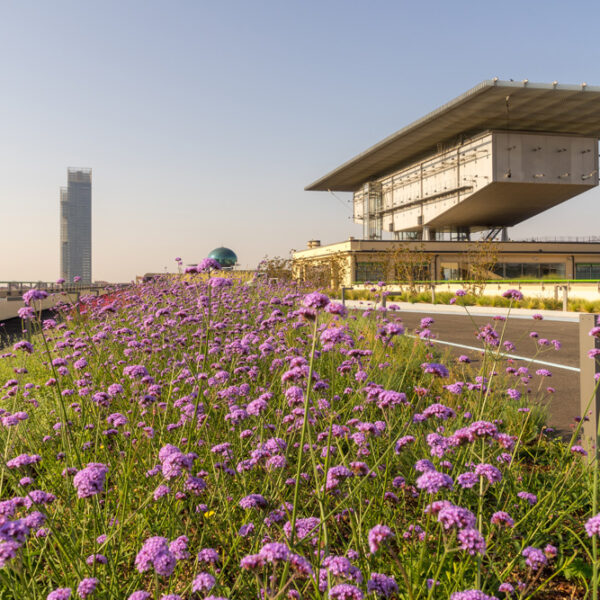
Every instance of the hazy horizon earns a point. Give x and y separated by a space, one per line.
202 123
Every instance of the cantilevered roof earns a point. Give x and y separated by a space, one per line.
547 107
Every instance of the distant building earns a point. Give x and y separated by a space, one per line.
226 257
76 226
495 156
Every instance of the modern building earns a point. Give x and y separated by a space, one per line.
495 156
76 226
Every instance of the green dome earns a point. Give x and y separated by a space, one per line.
224 256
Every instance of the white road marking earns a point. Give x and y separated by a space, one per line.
515 356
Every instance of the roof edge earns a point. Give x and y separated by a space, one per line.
480 88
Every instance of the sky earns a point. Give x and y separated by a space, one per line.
203 122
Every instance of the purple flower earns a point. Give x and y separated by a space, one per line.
208 556
471 595
246 530
59 594
513 394
336 475
335 308
203 582
345 591
403 441
26 313
531 498
300 565
34 294
512 294
303 527
435 369
467 480
253 501
456 516
382 585
160 491
90 480
274 552
534 558
433 481
592 526
155 553
377 535
252 562
471 540
502 518
209 264
87 587
178 548
439 410
392 329
491 473
24 345
23 460
315 300
8 551
135 371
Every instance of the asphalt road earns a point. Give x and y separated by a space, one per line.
563 405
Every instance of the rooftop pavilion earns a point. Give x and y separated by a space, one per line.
498 154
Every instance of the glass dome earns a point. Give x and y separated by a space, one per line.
224 256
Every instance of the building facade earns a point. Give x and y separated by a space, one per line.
491 158
370 261
76 226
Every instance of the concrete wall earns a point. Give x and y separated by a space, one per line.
9 308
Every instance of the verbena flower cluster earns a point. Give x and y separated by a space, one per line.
199 436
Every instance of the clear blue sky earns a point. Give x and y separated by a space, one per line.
203 121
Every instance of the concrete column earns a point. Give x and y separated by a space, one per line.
589 399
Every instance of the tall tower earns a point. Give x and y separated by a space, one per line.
76 226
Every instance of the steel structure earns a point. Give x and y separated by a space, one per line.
493 157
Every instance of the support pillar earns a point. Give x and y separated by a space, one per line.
589 395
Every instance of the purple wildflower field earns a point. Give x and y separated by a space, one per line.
202 437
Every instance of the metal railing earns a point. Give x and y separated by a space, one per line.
18 288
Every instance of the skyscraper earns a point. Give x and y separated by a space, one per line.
76 226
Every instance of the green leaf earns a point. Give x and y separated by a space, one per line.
578 569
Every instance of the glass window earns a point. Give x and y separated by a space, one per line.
450 271
531 271
369 271
587 271
553 270
498 270
513 270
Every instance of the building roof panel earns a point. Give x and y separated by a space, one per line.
537 107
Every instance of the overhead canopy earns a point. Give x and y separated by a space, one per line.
540 107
